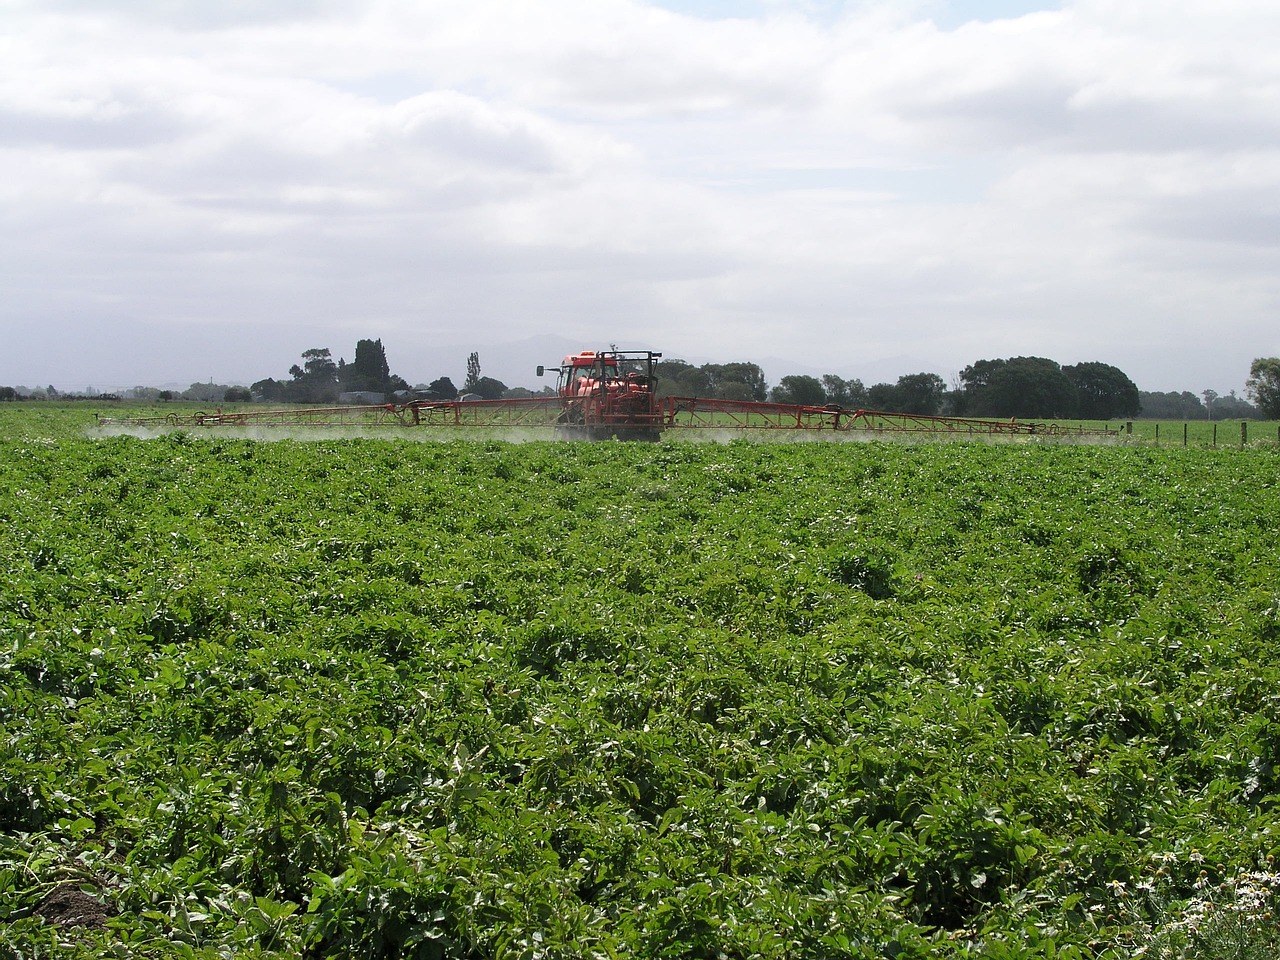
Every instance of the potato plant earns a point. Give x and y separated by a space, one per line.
382 698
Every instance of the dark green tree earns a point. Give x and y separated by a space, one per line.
1017 387
882 396
677 378
1171 406
369 370
1103 392
206 392
846 393
317 364
1232 407
316 381
270 389
472 382
489 388
736 381
1263 386
920 393
442 388
800 389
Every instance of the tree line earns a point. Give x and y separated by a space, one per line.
1016 387
1028 387
318 379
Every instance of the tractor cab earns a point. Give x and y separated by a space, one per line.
609 392
588 373
593 373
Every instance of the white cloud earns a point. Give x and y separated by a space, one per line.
826 184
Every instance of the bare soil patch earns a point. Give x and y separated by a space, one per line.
68 906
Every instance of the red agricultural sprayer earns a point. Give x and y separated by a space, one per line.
603 395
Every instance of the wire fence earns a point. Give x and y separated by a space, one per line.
1203 433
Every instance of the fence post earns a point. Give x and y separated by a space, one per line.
1184 434
1215 433
1157 433
1244 432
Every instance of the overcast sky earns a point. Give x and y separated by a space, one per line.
193 190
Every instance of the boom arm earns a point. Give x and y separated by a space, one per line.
670 413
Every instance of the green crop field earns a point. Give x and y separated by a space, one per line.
1197 433
359 697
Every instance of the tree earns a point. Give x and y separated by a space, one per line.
1103 392
8 394
237 395
1232 407
1209 397
1263 386
472 382
317 364
846 393
489 388
1017 387
1171 406
733 390
369 371
883 397
270 389
205 392
442 388
920 393
677 378
316 381
736 381
800 389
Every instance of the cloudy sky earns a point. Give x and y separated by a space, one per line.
193 190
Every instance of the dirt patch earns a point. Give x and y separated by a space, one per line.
71 907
